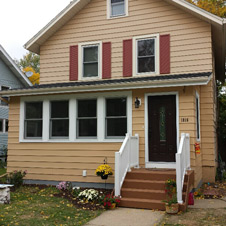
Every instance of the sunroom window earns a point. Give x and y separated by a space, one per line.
116 117
117 8
90 61
87 118
59 120
146 55
33 119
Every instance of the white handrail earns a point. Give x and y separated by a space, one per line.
182 164
127 157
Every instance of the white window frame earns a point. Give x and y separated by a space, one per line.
80 59
73 116
109 16
135 52
198 136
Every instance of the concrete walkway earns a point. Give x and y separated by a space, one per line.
209 203
127 217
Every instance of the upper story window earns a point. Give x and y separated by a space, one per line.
59 119
146 55
117 8
33 119
90 60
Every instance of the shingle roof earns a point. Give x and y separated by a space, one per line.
123 80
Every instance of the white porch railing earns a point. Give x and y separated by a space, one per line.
182 164
127 157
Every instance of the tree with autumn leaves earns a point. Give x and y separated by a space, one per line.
30 65
217 7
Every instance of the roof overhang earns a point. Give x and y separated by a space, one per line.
13 67
114 84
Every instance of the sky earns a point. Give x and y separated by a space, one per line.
20 20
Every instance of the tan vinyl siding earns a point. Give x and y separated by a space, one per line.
208 131
190 37
56 161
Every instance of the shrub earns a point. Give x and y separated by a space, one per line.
63 186
16 177
76 191
89 195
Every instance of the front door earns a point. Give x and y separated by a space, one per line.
162 128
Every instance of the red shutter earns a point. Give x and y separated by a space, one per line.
127 58
164 54
73 63
106 64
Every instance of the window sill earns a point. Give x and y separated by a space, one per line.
117 17
74 141
146 74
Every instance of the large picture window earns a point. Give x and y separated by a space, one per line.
87 118
33 119
59 119
116 117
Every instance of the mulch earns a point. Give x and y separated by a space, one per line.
75 201
214 190
82 204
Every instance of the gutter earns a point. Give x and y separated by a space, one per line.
108 87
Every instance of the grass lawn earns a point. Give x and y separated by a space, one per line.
196 217
2 171
31 206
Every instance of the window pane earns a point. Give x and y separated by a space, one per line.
146 47
6 125
87 108
90 54
1 125
33 128
116 127
60 128
116 107
90 70
118 9
117 1
59 109
146 64
34 110
87 127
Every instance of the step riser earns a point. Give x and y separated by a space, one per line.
144 185
146 176
154 206
143 195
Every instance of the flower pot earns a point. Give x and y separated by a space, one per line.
104 177
172 209
113 205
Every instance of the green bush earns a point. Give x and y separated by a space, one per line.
16 178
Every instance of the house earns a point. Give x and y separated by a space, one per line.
10 78
144 68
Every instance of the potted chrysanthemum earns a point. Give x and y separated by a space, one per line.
104 171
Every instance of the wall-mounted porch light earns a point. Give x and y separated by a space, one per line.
137 102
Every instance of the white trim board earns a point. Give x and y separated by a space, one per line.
160 165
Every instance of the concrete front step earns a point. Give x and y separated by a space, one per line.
142 203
